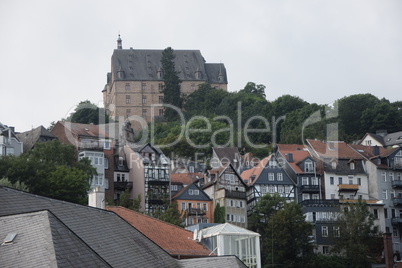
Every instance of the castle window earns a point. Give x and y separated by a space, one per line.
160 99
128 99
143 86
128 112
144 99
127 87
144 112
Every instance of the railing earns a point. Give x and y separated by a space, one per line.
397 201
396 220
89 147
235 194
319 202
195 211
348 187
123 185
310 188
396 184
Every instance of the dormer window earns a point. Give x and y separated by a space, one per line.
352 165
333 164
308 166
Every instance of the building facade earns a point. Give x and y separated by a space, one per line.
10 144
135 81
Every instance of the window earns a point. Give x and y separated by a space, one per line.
263 189
160 87
143 86
332 196
306 196
128 99
196 192
198 205
392 194
384 176
144 99
359 181
315 196
333 165
106 145
190 192
325 250
280 177
331 180
391 176
324 231
375 212
304 181
128 112
352 165
385 213
205 206
271 189
241 204
271 176
281 189
191 169
384 195
336 231
394 232
287 189
183 205
308 166
127 86
144 112
314 181
350 180
106 161
340 180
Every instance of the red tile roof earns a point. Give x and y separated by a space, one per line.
341 150
255 171
298 154
173 239
87 130
184 178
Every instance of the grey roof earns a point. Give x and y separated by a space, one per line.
213 262
30 137
183 194
228 154
390 139
62 234
144 64
44 241
112 238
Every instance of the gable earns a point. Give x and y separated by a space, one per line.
192 192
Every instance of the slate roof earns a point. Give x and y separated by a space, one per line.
112 238
175 240
44 241
389 139
144 64
29 138
219 172
184 195
221 261
228 155
367 152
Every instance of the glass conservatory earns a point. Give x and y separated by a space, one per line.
228 239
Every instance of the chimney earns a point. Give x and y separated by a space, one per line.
388 252
289 157
375 150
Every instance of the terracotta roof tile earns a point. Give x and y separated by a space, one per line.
255 171
171 238
298 153
341 150
184 178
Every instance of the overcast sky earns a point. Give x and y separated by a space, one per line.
55 54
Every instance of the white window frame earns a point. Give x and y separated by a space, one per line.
271 176
324 231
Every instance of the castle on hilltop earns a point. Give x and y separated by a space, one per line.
135 82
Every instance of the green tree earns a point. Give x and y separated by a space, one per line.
125 201
50 169
171 91
359 238
88 113
253 88
285 235
172 214
219 214
18 185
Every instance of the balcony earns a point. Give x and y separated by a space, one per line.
159 181
348 187
195 212
397 201
397 184
396 221
235 194
123 185
310 188
319 203
90 147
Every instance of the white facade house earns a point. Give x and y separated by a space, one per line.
9 142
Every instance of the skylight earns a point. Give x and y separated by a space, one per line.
9 239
